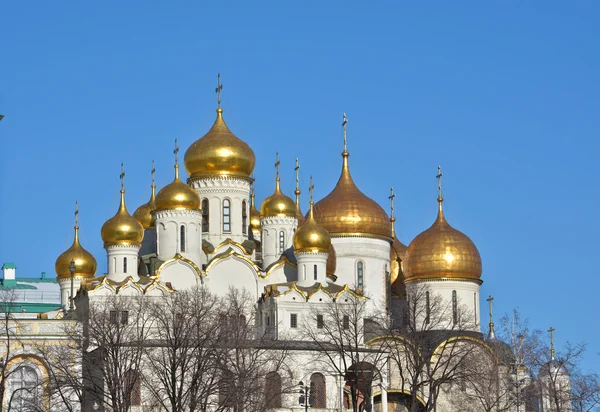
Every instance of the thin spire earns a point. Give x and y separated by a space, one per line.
297 191
344 123
218 90
252 180
122 177
76 214
176 153
122 207
311 188
440 198
153 186
277 163
392 196
551 331
492 334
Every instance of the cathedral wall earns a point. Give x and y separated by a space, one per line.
271 232
122 262
169 237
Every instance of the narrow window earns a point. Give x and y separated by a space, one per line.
315 269
281 241
113 317
359 275
273 390
318 394
205 215
427 308
226 215
346 322
125 265
304 271
182 238
320 322
244 218
454 308
268 320
124 317
294 320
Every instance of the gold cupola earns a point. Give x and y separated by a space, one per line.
219 152
311 236
122 229
348 212
177 195
144 213
442 252
278 204
254 213
85 263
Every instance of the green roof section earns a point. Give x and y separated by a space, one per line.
9 265
27 307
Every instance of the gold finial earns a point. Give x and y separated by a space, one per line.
277 163
122 177
310 191
551 331
392 196
439 182
297 191
76 214
492 334
152 172
218 90
344 123
176 153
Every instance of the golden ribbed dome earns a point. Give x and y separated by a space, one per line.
311 236
397 254
85 263
443 252
122 228
219 152
277 204
331 261
254 215
144 213
347 211
177 196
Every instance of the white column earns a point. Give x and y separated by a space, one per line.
306 268
168 232
122 262
271 229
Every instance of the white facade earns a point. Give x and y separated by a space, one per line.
311 268
277 234
122 262
179 231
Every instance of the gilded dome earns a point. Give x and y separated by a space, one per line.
219 152
177 196
144 213
443 252
122 228
397 255
311 236
331 261
347 211
254 215
85 263
277 204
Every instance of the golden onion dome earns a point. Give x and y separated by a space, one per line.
277 204
347 211
144 213
331 261
219 152
254 215
311 236
122 228
85 263
299 214
177 196
443 252
397 255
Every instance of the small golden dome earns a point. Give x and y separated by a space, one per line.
254 215
311 236
277 204
347 211
144 213
443 252
397 255
177 196
331 261
122 228
219 152
85 263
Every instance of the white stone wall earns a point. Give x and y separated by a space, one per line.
168 234
306 268
116 256
271 228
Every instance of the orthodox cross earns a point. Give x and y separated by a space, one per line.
551 331
392 196
310 190
76 213
218 89
122 176
277 163
297 168
439 182
176 152
152 172
490 300
344 123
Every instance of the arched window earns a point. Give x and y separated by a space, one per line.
227 396
273 390
134 387
315 270
281 241
23 388
427 308
226 215
454 308
182 238
244 218
318 393
205 215
124 265
360 275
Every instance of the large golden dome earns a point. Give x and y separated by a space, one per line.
122 228
219 152
311 236
144 213
443 252
254 215
177 196
277 204
85 263
347 211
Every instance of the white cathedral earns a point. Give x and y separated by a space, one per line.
207 231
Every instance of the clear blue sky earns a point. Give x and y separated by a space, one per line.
504 95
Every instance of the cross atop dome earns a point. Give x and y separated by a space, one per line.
344 123
218 90
122 177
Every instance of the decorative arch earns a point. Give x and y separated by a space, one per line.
273 390
318 391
